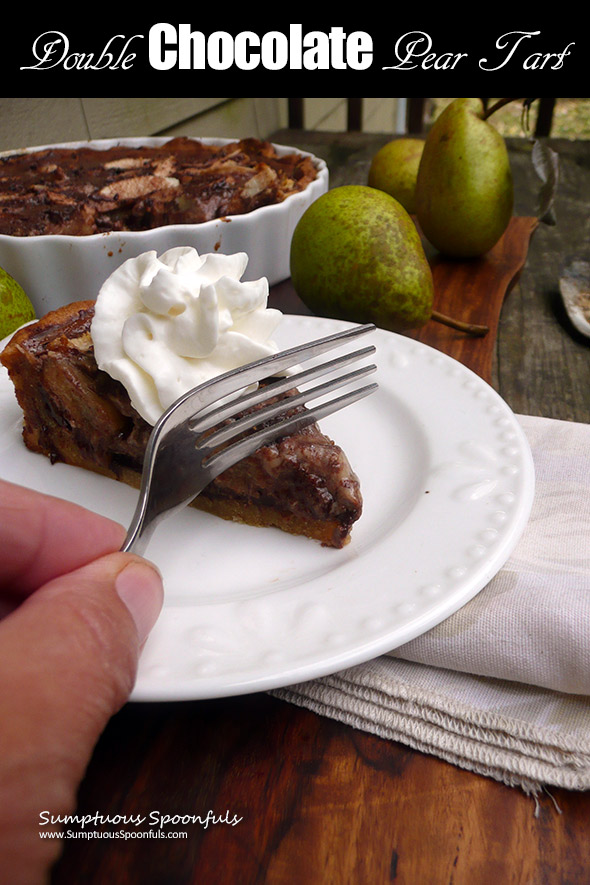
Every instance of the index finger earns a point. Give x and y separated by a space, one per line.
42 536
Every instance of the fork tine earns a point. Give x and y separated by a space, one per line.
236 379
144 523
234 452
169 483
205 420
259 416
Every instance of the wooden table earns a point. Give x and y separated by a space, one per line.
319 801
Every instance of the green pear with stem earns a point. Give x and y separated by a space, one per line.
356 255
464 189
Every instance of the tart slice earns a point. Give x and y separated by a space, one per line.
78 414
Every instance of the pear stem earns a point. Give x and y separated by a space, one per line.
497 105
470 328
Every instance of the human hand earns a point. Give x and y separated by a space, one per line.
76 613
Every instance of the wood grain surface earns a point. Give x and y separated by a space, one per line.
320 802
474 291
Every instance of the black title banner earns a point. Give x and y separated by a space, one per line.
395 61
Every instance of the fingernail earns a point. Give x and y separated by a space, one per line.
140 587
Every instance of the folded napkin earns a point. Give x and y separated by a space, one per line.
502 686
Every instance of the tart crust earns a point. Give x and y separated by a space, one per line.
75 413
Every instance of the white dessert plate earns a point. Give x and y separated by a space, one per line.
448 482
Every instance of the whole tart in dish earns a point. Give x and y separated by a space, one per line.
76 413
84 190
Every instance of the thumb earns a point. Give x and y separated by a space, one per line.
68 661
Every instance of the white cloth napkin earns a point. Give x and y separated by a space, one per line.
502 687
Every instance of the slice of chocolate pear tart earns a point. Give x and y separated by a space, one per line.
76 413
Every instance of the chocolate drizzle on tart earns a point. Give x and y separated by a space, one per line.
83 191
77 414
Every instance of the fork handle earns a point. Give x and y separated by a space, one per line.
138 537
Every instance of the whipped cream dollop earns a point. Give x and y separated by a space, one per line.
165 324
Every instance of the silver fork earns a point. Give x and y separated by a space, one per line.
188 447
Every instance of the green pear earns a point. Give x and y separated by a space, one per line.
356 255
394 169
464 191
15 307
